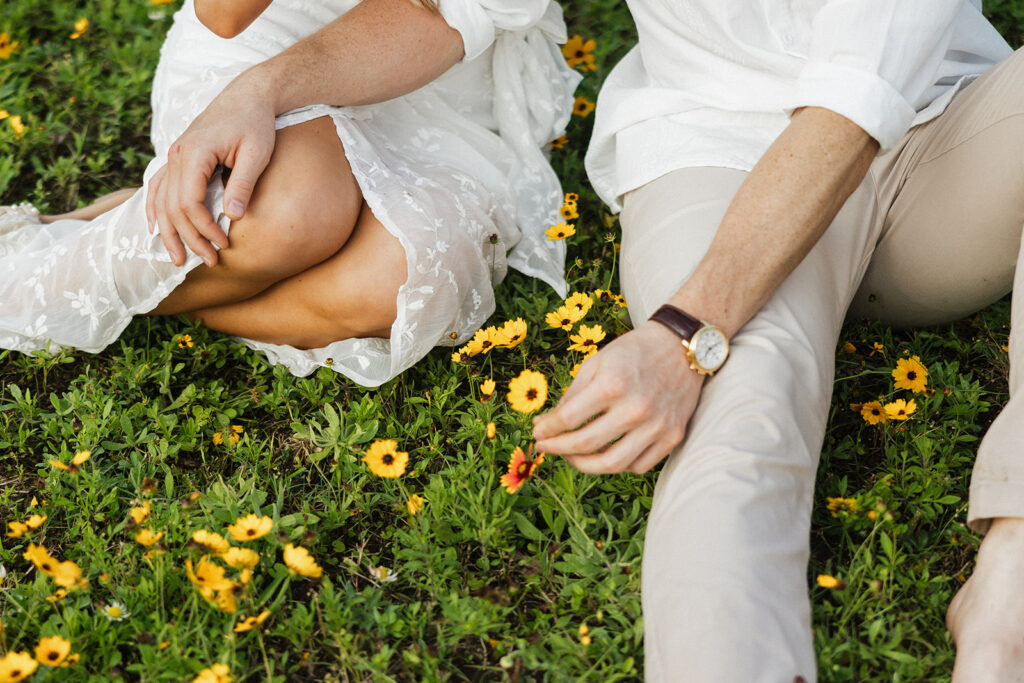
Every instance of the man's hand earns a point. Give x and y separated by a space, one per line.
236 130
639 388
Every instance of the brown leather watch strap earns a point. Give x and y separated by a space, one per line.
677 320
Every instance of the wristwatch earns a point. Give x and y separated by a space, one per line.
705 345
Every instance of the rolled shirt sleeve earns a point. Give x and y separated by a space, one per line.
478 21
872 60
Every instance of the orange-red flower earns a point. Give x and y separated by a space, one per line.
520 468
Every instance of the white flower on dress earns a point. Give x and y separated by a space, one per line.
38 329
88 306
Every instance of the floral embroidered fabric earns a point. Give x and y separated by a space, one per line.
455 170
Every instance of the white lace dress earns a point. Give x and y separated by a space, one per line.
455 170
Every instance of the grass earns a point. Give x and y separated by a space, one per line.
478 584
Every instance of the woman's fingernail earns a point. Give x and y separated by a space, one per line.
236 208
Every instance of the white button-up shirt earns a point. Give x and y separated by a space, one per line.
713 82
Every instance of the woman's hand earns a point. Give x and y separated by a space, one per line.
236 130
640 388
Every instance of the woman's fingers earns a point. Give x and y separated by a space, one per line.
172 243
151 192
250 161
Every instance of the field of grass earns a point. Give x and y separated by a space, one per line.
189 431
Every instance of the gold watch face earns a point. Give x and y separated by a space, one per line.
708 349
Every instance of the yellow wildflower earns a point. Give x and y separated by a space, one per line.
7 46
528 391
829 581
210 542
873 413
250 527
52 651
561 318
67 574
586 341
414 504
41 558
582 107
837 505
579 303
81 26
559 231
148 538
250 623
487 390
218 673
579 53
139 513
241 557
17 666
910 374
900 409
301 562
385 460
16 529
513 332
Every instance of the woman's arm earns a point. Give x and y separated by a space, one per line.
639 387
228 18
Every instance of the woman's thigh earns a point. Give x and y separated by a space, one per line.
303 210
951 237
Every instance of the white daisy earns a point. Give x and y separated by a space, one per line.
115 611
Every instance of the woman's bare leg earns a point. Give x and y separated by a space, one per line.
302 211
98 207
351 294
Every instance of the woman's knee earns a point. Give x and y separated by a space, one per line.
303 209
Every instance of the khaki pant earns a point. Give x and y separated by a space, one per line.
932 234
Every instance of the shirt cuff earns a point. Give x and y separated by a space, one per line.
473 22
861 96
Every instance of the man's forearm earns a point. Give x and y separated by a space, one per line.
379 50
778 214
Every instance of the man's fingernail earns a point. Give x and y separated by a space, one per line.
236 208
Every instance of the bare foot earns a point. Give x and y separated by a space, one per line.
986 617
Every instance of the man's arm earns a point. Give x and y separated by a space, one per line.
379 50
638 387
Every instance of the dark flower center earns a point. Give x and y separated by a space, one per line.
911 375
388 459
579 53
588 342
566 321
531 394
52 656
45 566
522 469
486 344
251 532
876 411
